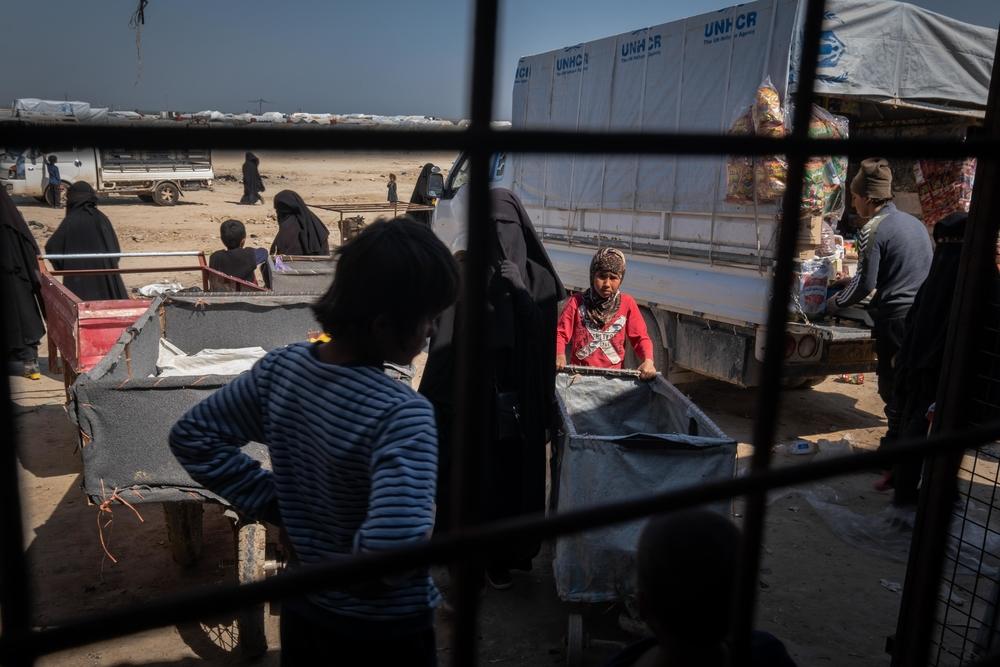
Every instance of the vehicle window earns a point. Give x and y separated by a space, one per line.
460 176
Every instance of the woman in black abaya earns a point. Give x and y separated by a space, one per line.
20 288
86 230
300 231
523 294
252 183
421 196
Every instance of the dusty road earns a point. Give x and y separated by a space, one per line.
818 593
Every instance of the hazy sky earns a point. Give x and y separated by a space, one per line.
370 56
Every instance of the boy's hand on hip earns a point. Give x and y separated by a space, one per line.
647 371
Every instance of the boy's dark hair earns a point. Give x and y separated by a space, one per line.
392 177
232 233
52 159
687 564
397 268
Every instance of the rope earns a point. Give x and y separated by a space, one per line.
105 507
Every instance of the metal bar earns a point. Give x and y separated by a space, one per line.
114 255
15 593
472 394
769 394
939 486
102 272
474 540
512 141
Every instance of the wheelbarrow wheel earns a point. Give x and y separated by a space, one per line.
251 545
184 523
574 640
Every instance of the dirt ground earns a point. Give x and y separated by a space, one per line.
830 602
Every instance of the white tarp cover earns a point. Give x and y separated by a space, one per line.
700 73
896 51
30 107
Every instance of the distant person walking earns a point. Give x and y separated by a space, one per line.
86 230
19 287
300 231
253 185
391 186
55 182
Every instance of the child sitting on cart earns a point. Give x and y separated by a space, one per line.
353 452
596 323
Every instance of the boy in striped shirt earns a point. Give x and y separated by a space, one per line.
353 452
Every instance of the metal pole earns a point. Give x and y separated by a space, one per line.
118 255
977 270
474 393
769 393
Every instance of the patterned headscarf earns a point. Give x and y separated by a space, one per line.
600 310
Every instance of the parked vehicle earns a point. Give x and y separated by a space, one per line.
154 176
699 266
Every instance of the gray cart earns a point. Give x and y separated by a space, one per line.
622 438
125 413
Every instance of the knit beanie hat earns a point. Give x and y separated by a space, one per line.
873 180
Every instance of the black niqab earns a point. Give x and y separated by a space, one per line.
86 230
300 231
19 273
253 185
521 350
421 196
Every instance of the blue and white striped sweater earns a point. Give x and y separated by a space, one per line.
353 458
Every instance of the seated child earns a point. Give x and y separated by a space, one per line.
353 452
596 323
687 566
236 260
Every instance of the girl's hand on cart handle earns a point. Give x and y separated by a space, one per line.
560 362
647 371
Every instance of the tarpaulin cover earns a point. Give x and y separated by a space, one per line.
28 108
698 74
301 275
125 416
622 438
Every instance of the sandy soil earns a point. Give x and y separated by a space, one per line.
819 594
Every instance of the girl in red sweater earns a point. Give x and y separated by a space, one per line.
596 323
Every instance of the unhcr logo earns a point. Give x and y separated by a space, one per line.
523 73
831 49
722 30
570 63
635 49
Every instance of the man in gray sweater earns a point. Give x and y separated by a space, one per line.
894 256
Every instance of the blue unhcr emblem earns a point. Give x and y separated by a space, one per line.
830 49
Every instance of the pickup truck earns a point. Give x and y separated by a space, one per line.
154 176
700 267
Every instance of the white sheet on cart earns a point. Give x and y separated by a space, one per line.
173 361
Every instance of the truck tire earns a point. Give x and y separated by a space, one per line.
49 192
166 194
146 198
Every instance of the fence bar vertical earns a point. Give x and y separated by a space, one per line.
473 392
777 315
938 488
15 594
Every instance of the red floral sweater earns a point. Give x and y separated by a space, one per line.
604 348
